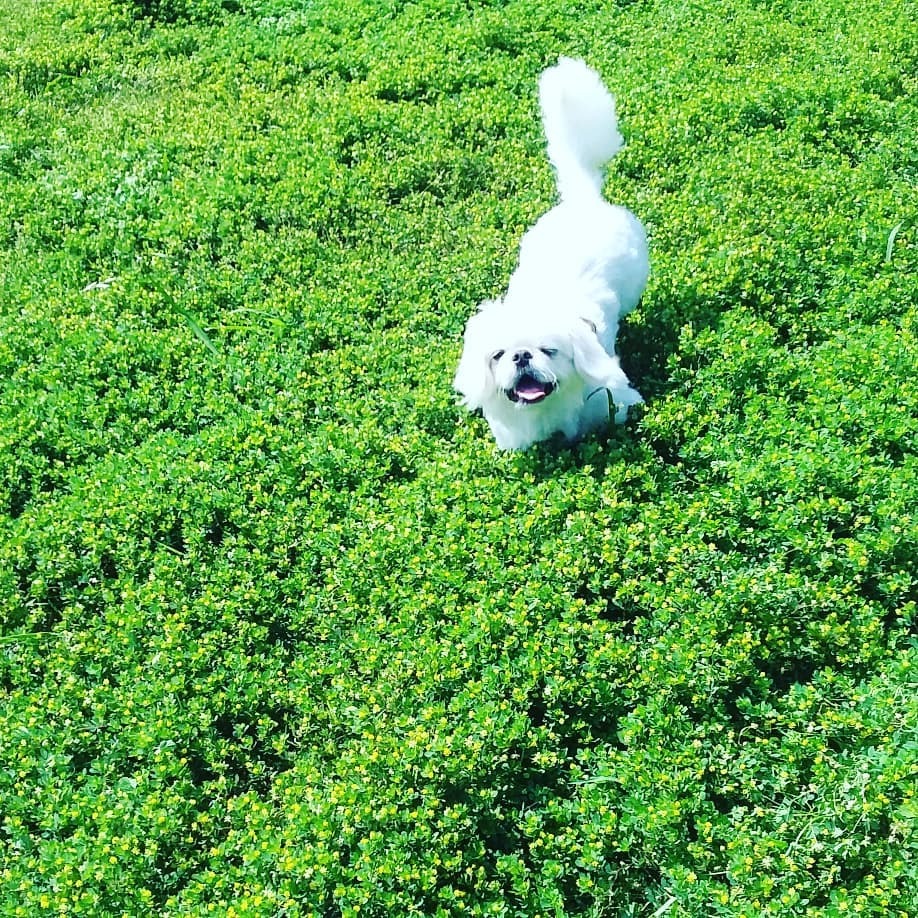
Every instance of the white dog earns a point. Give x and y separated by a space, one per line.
542 359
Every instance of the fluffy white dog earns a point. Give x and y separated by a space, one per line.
542 359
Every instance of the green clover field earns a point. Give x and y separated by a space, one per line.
284 635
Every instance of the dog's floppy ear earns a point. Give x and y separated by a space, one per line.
598 368
593 362
471 379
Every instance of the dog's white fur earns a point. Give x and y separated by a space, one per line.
542 359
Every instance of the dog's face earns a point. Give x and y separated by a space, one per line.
527 372
526 360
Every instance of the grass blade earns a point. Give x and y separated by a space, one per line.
891 240
199 332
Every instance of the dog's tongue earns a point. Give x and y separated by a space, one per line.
530 390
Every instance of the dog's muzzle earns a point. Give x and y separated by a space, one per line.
530 390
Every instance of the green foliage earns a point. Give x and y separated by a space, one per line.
283 634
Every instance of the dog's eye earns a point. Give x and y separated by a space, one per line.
497 355
549 351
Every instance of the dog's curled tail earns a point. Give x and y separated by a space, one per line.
581 126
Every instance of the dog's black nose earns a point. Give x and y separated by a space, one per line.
521 358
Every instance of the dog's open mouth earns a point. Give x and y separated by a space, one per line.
528 390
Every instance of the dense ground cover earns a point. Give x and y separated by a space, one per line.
283 634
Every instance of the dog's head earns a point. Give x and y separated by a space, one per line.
524 358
